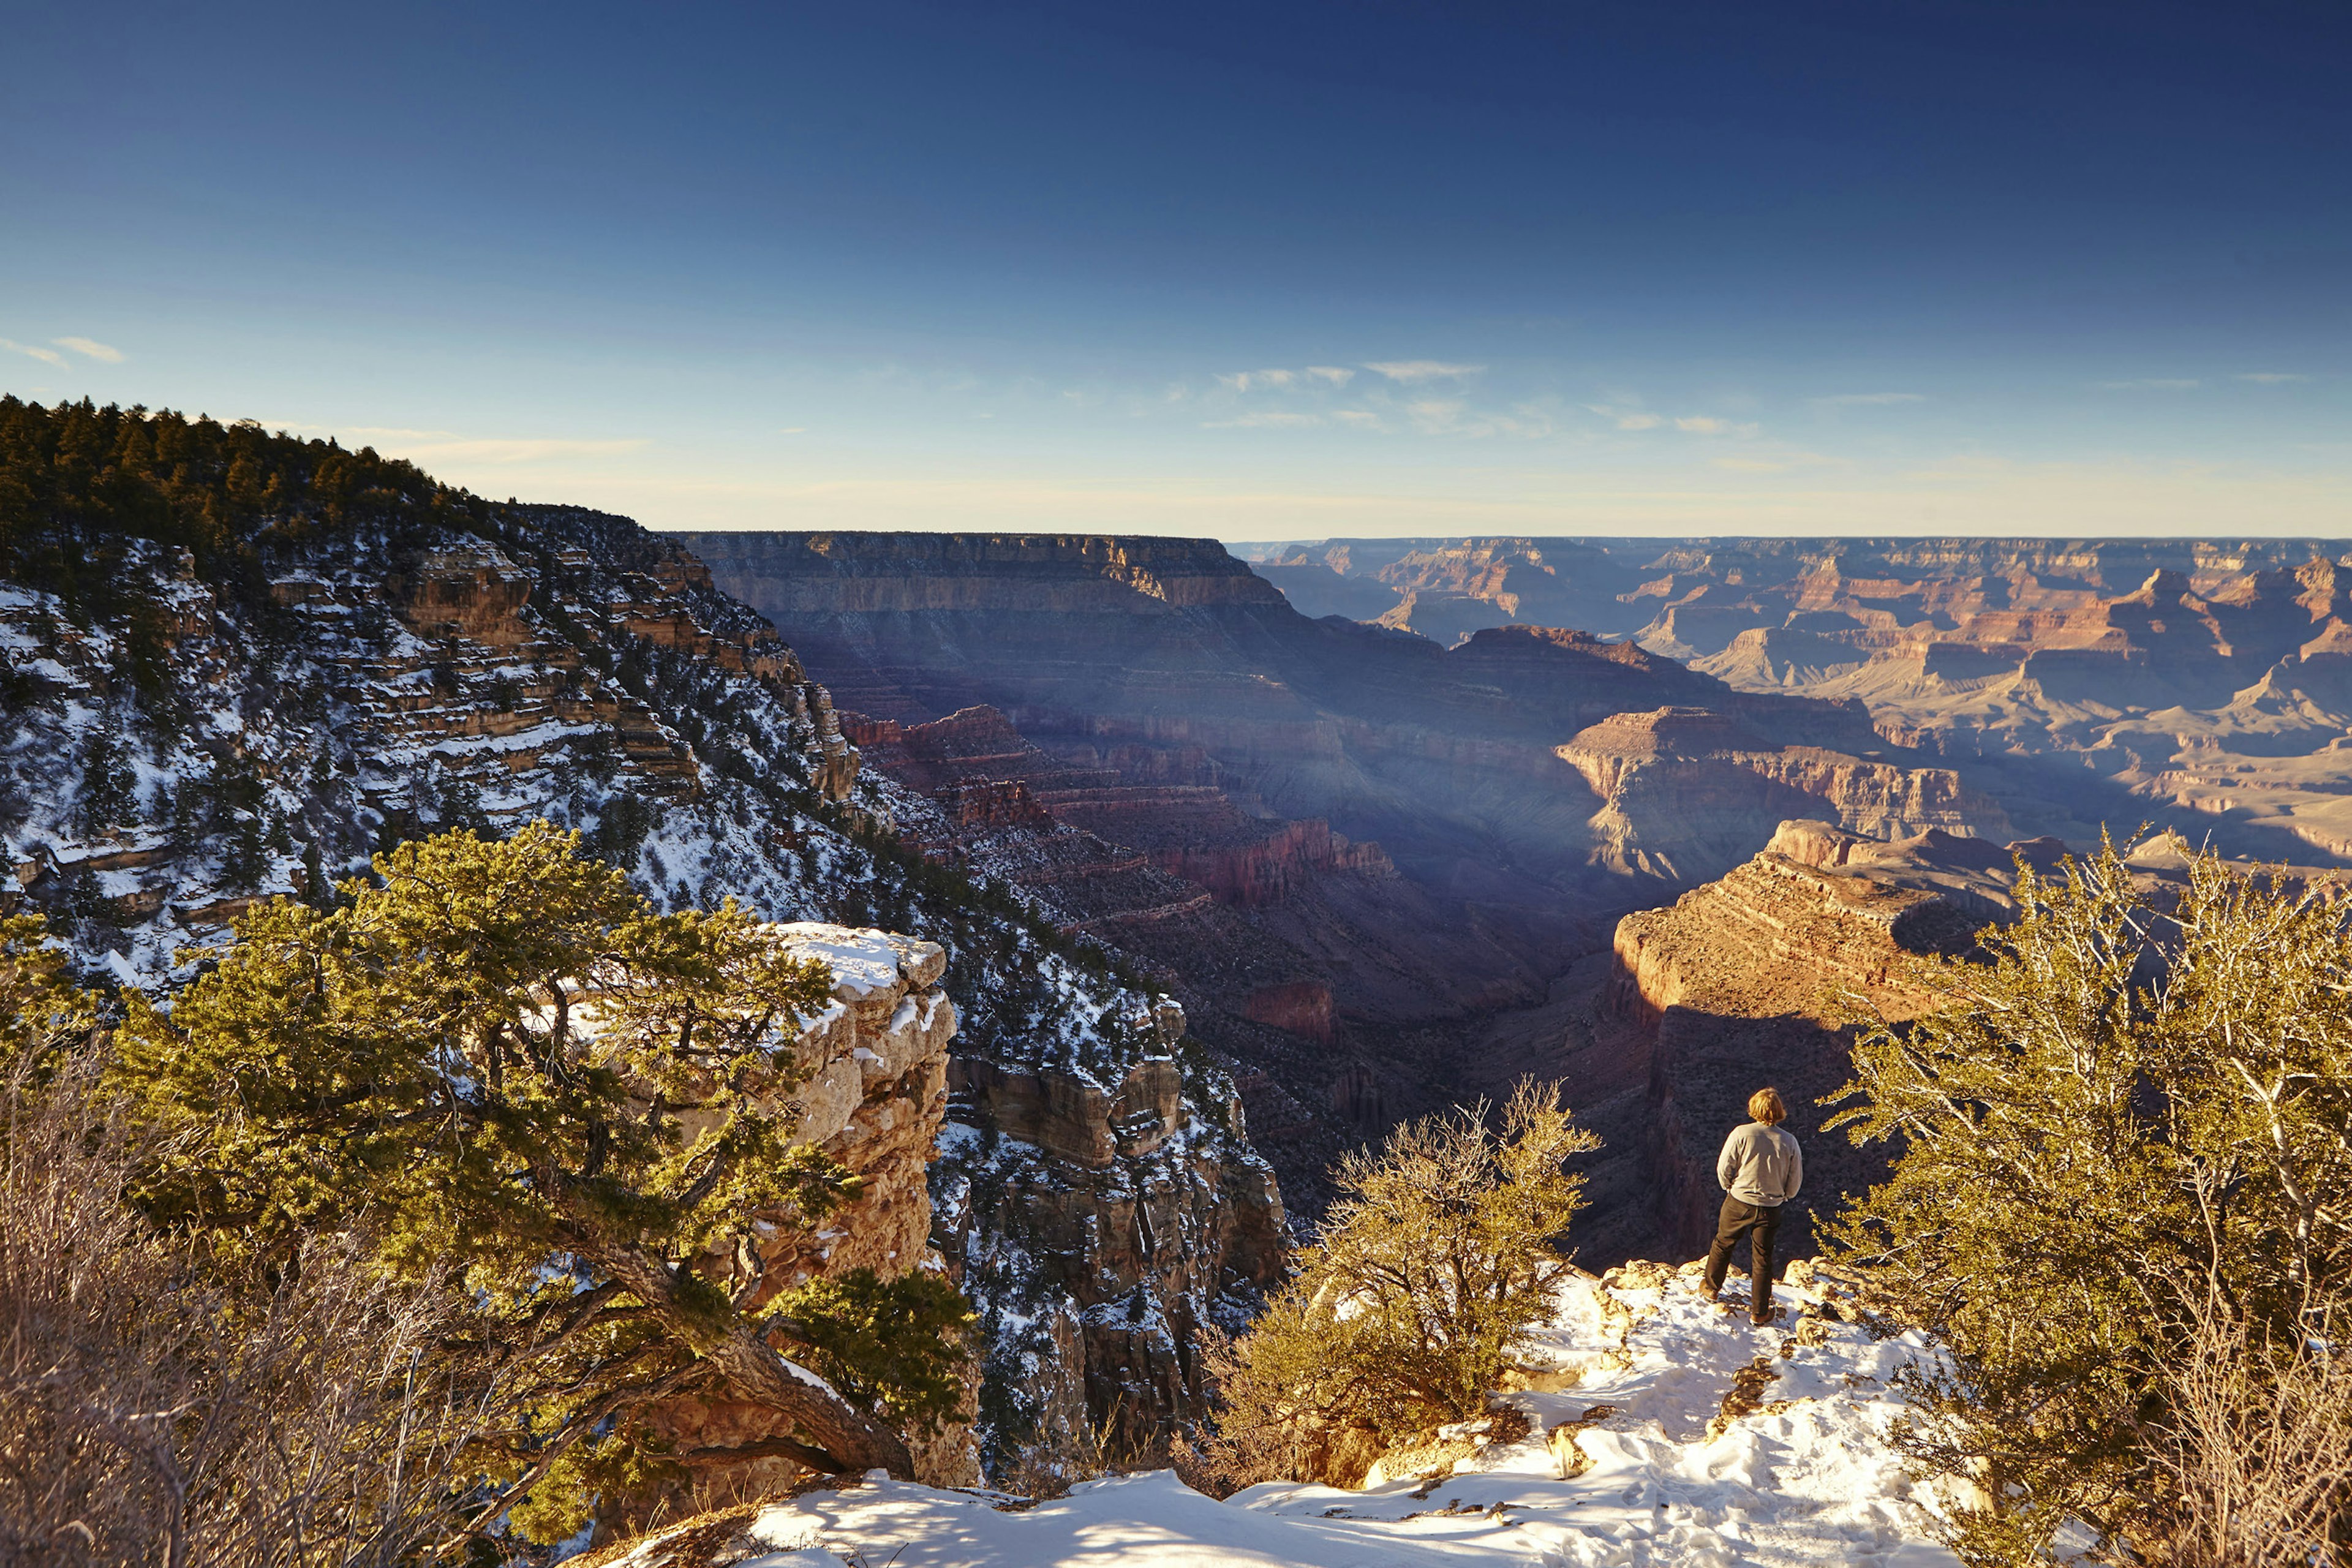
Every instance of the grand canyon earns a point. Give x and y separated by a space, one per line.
1401 821
1232 859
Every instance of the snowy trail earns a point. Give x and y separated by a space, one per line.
1800 1474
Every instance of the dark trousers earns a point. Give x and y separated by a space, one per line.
1760 1225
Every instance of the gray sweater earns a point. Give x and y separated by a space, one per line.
1761 1164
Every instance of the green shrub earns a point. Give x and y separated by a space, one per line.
1442 1252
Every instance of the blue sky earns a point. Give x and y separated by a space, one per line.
1254 271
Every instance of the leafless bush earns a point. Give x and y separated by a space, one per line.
2256 1452
1049 1469
153 1411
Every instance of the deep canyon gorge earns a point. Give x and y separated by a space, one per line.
1214 868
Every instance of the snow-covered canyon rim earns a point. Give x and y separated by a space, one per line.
1675 1434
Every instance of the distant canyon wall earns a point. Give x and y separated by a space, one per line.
1339 838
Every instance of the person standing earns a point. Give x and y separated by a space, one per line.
1760 1168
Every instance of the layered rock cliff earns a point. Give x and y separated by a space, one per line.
358 655
1172 704
1761 978
1106 1221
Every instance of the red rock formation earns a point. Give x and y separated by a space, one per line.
1302 1008
1186 712
874 1099
1757 978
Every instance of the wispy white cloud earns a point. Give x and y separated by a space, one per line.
91 347
1708 424
1417 370
1263 419
1869 399
1436 415
1362 418
2269 377
1337 375
46 356
2153 383
1627 415
1245 381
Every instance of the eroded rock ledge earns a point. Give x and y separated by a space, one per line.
875 1100
1756 978
1105 1224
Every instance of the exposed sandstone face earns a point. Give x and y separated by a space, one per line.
1752 979
1302 1007
1241 912
1679 792
1105 1222
474 593
1186 712
873 1098
928 574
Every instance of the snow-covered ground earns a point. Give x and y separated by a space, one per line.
1798 1472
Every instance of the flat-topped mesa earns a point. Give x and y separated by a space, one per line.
819 574
1685 790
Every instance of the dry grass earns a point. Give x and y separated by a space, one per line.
153 1413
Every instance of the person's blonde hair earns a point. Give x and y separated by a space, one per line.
1765 1106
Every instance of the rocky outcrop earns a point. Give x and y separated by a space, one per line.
1683 792
1757 978
1106 1224
874 1096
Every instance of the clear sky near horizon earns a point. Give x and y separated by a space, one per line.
1273 271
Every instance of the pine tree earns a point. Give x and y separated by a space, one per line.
497 1055
109 796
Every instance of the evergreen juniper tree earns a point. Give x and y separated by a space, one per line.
497 1054
2134 1118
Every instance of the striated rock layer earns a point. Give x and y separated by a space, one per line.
1169 703
1758 977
